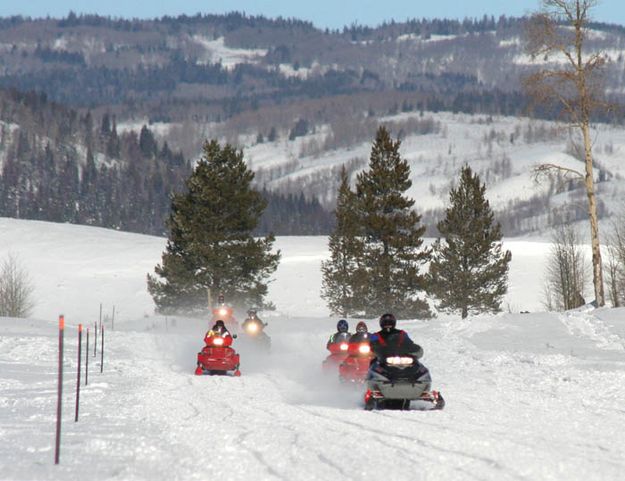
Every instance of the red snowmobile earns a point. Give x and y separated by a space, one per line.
338 353
356 365
217 357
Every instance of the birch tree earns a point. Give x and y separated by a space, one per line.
573 83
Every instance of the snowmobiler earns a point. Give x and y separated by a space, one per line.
254 330
396 377
224 312
356 365
217 357
337 345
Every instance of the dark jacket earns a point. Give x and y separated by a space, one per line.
359 337
394 342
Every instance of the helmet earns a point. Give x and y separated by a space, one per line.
342 326
220 298
388 321
251 314
219 326
361 327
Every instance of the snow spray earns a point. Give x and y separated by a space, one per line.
57 446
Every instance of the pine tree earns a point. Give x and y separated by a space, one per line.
210 244
342 273
469 270
391 232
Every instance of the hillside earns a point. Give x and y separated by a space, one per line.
502 150
529 396
143 95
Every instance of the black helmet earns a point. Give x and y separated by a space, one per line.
251 314
361 327
342 326
388 321
219 326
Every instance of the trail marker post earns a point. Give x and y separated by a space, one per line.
87 359
78 375
102 351
59 397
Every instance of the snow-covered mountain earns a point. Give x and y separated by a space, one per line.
529 396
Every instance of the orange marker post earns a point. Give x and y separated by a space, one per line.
102 350
78 375
87 359
57 447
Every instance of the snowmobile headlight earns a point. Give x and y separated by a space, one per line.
252 327
218 341
223 311
343 346
364 349
399 361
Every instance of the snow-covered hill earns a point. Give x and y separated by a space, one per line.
534 396
503 150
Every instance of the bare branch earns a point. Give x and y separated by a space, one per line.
550 168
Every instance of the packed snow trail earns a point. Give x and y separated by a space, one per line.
518 407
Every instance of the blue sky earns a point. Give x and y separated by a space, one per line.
323 13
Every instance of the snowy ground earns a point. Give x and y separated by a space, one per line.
529 396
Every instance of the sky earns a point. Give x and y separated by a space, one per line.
323 13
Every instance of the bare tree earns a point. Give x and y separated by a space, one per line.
575 84
16 289
616 262
566 276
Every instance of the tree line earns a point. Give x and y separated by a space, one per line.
62 166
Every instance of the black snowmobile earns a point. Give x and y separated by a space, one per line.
396 377
395 381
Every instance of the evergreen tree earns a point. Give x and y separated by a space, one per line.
469 270
343 275
392 254
210 244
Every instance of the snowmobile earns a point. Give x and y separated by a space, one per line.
338 353
356 365
254 331
217 357
393 382
224 313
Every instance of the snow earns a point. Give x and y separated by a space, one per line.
160 129
217 51
535 396
413 37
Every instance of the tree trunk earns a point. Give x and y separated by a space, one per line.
465 312
597 272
